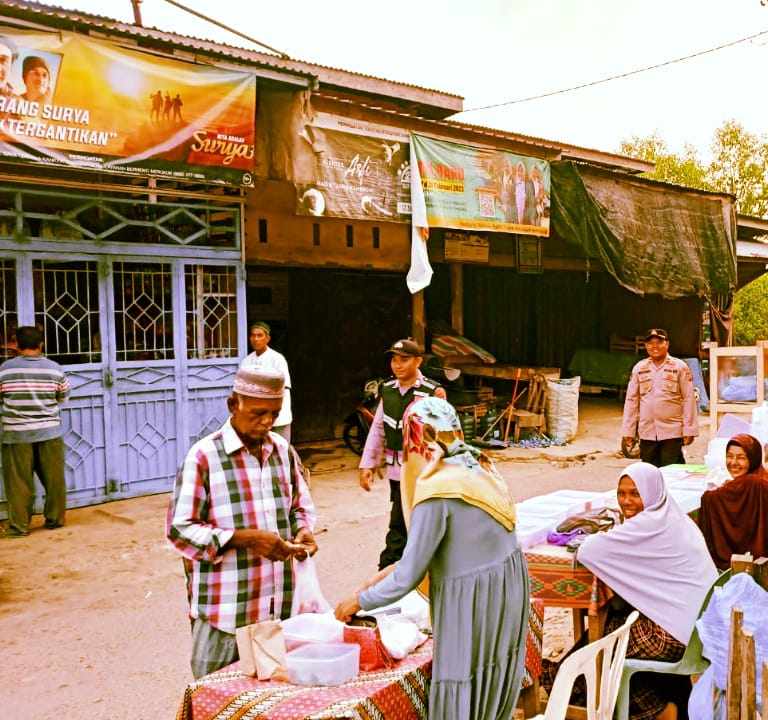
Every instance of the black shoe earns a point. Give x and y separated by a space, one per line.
52 525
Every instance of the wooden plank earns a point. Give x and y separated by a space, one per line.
735 665
748 674
503 371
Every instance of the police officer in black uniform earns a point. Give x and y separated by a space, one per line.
385 438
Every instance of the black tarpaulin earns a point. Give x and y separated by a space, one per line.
653 238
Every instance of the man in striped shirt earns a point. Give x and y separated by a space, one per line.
240 512
32 388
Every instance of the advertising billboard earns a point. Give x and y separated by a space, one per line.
73 101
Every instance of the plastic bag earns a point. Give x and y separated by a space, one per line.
399 635
707 700
307 595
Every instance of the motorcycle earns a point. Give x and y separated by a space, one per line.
358 423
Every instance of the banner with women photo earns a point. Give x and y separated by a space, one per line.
464 187
78 102
474 188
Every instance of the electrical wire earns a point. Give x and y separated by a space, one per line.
616 77
179 5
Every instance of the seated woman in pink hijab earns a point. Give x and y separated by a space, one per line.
734 517
655 562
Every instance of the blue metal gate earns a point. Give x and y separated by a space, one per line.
138 300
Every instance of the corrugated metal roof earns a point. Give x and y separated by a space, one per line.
414 101
61 18
746 249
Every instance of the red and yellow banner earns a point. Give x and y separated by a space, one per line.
73 101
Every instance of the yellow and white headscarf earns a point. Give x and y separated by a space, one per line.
438 463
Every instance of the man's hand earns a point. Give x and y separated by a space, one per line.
627 442
306 540
366 479
263 542
688 439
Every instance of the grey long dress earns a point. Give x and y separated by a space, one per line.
479 597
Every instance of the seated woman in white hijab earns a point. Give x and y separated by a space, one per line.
655 562
461 519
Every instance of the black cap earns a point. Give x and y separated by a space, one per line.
407 347
656 334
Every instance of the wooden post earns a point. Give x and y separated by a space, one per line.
760 572
742 563
749 680
418 320
735 665
457 297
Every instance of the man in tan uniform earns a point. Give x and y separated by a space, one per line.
660 406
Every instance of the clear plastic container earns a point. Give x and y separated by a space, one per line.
310 628
323 664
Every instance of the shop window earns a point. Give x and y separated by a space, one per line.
211 307
67 309
143 311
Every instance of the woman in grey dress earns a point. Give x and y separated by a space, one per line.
461 532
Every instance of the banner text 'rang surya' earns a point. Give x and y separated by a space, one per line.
22 126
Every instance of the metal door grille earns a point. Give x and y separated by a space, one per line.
8 309
143 311
211 298
67 308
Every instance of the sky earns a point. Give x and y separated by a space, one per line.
496 51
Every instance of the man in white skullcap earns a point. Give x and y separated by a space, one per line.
240 512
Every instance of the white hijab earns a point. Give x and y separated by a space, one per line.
656 560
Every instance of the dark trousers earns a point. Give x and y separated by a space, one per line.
21 461
662 452
397 534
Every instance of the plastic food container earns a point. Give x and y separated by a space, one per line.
311 628
323 664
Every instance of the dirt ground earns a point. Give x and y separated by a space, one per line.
93 615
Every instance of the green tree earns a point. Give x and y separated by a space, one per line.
685 169
750 312
740 167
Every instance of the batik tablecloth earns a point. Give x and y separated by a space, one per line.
559 581
400 693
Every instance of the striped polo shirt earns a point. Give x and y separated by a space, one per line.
31 389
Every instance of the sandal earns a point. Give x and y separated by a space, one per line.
12 532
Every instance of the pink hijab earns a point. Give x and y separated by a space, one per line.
657 560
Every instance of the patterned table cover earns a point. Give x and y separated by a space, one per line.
400 692
560 582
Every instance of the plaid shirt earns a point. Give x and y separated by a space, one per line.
220 488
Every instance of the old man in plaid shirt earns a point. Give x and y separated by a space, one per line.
240 512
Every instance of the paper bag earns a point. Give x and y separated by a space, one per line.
262 650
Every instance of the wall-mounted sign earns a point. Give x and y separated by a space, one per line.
466 247
73 101
361 170
474 188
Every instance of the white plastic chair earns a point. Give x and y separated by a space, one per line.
692 662
600 663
